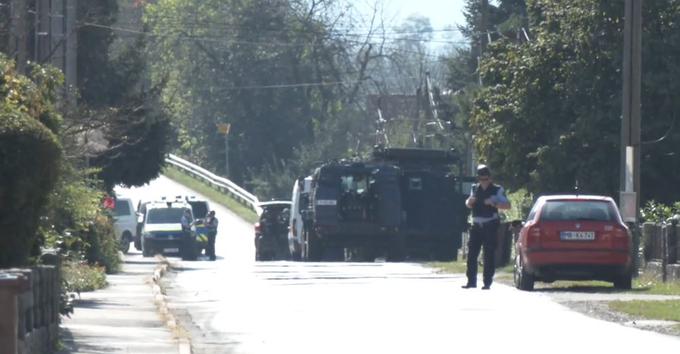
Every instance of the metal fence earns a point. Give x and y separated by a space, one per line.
220 183
661 248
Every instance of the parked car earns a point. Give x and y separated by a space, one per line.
125 222
574 237
162 230
271 231
299 204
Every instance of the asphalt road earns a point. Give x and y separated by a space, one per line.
237 305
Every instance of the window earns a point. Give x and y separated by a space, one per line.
564 210
164 216
122 208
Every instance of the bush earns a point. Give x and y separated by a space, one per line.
30 155
82 277
29 158
101 245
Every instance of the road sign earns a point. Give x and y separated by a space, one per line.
223 128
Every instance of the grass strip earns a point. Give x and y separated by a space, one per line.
201 187
668 310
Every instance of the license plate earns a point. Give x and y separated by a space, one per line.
170 250
577 235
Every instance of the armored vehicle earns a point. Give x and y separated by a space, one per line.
432 205
354 211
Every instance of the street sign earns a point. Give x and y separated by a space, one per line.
223 128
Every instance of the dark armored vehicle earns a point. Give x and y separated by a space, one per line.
354 213
433 209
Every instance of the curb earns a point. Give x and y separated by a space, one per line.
183 339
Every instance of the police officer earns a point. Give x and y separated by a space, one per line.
485 200
211 224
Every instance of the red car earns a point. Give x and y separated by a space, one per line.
574 237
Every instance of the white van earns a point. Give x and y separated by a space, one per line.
299 202
124 222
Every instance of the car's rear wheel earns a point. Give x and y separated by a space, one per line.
125 242
146 249
312 247
523 280
624 282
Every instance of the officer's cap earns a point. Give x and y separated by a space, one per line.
483 170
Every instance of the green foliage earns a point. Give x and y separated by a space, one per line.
82 277
548 117
76 224
521 202
658 212
102 247
221 62
29 158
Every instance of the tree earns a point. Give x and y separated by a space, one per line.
275 70
116 102
559 95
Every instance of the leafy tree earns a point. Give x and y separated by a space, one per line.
116 102
273 69
559 95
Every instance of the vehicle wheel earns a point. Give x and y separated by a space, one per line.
312 248
397 250
624 282
445 251
125 242
523 280
146 249
297 253
189 251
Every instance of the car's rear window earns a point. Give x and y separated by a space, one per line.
122 208
164 216
578 210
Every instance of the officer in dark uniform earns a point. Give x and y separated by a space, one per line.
485 200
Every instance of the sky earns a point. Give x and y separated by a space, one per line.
442 14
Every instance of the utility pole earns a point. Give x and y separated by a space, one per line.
17 38
629 182
71 48
224 128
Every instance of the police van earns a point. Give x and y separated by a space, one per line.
162 230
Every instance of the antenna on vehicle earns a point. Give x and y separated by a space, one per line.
576 188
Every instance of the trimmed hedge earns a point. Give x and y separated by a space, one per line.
29 164
30 155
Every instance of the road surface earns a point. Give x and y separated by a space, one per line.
237 305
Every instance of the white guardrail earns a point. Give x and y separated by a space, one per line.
220 183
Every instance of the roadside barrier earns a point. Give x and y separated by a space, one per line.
29 304
220 183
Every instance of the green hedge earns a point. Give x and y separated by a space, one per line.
30 155
29 164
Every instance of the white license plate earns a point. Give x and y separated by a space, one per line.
577 235
170 250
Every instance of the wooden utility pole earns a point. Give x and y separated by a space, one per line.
630 124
